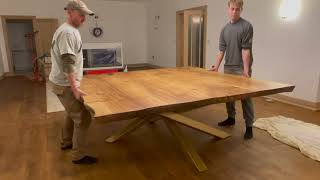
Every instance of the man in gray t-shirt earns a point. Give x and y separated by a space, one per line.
65 76
235 43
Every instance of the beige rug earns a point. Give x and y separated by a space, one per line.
53 103
295 133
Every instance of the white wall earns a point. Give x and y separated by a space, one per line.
318 99
122 21
285 52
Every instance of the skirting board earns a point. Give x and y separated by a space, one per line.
8 74
296 102
142 65
154 66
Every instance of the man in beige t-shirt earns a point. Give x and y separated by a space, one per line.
66 75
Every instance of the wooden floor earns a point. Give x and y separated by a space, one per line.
29 145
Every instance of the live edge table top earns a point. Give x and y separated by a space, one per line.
123 95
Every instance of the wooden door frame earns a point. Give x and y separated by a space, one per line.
179 40
182 54
6 36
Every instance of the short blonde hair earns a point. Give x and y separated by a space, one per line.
237 2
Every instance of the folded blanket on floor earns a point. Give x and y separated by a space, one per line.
298 134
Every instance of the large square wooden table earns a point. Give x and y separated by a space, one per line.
162 94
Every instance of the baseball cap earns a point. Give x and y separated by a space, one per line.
80 6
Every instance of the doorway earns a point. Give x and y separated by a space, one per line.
21 52
20 42
191 37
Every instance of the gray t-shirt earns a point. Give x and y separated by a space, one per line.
233 38
66 40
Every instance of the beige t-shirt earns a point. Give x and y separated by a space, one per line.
66 40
